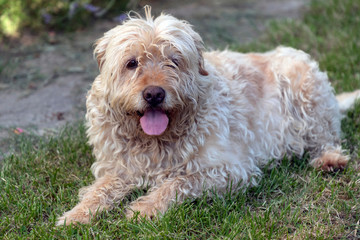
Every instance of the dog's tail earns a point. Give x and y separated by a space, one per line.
347 100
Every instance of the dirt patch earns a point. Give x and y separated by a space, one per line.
43 81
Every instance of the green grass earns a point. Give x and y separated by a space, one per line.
41 180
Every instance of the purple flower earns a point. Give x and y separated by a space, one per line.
72 9
120 18
46 17
91 8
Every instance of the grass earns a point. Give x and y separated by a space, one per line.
41 179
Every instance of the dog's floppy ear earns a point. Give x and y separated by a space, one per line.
100 49
198 42
199 47
202 70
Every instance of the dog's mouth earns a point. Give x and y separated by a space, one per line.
153 121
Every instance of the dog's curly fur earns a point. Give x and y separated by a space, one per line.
229 114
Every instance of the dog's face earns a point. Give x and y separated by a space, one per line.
150 69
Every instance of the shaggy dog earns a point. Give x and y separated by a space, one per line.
165 114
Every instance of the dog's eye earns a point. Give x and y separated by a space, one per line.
171 66
132 64
174 65
175 61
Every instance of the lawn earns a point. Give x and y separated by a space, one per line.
42 178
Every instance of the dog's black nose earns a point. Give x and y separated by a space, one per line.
154 95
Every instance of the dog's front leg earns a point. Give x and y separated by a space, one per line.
95 198
159 198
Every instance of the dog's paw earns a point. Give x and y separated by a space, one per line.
74 216
144 210
330 161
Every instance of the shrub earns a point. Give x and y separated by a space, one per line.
64 15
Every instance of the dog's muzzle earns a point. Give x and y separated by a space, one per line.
155 120
154 95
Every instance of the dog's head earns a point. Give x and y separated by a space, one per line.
149 69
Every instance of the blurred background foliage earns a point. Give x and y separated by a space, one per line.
57 15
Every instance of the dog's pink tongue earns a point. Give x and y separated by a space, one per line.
154 122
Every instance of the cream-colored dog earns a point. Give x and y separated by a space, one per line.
165 114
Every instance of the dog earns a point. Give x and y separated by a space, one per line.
166 114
